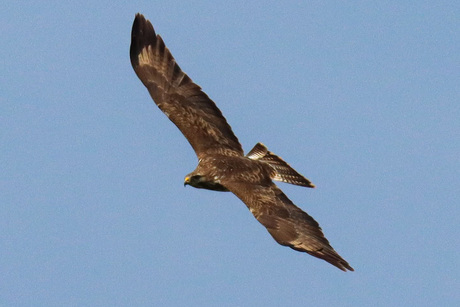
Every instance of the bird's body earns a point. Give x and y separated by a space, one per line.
215 171
222 165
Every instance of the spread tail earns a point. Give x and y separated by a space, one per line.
283 171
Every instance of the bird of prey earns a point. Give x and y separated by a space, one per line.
222 165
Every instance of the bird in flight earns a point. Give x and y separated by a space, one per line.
222 165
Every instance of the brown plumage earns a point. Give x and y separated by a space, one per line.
222 165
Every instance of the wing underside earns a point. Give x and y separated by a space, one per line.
183 101
287 224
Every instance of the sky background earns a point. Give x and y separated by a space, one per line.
362 98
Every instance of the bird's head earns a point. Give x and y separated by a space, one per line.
193 180
202 182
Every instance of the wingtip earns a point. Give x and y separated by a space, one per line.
142 34
343 265
139 19
346 267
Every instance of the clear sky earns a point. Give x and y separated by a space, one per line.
361 98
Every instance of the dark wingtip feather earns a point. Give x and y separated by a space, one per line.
329 255
344 266
142 35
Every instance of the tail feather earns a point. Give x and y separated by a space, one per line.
283 171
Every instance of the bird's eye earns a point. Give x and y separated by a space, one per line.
196 178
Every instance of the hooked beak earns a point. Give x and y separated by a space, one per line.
186 181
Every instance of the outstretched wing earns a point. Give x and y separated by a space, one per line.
288 224
186 105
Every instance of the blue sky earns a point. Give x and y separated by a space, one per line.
362 98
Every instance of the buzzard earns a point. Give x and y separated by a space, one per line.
222 165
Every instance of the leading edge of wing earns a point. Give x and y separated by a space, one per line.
183 101
286 223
